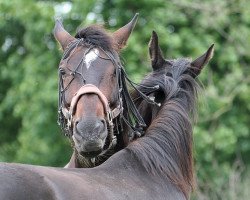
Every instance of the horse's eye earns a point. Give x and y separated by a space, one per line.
62 71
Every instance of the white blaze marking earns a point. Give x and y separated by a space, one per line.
91 56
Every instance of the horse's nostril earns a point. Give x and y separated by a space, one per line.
76 122
78 127
100 126
103 122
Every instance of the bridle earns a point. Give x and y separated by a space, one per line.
110 114
114 116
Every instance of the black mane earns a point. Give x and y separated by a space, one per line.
96 35
166 149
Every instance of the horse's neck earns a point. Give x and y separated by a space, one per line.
125 167
170 127
122 160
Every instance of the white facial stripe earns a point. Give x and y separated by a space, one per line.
91 56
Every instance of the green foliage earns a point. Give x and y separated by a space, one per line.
29 57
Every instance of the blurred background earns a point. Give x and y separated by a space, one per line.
29 57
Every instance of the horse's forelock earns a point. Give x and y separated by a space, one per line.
96 35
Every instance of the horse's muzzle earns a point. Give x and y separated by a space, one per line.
90 136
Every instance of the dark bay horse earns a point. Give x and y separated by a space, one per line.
158 165
95 108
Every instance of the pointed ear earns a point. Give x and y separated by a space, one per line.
121 35
198 64
155 53
61 35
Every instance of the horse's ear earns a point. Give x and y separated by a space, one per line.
122 34
61 35
198 64
157 60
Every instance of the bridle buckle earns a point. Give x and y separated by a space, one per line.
110 117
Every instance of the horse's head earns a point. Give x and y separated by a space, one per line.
89 88
176 73
165 73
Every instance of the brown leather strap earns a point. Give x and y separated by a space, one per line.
88 89
116 111
91 89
